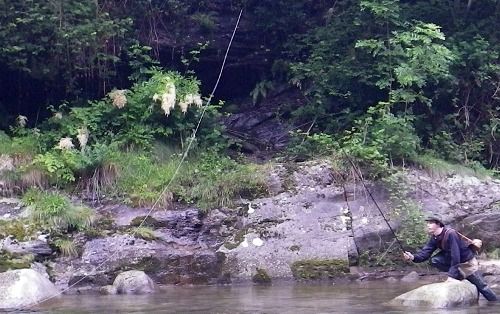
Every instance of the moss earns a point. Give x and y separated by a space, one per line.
16 228
261 277
237 239
11 261
319 269
148 222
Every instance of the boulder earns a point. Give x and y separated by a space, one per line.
24 287
439 295
35 247
134 282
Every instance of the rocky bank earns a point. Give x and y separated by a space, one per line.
309 227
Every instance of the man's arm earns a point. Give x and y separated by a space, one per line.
425 252
453 242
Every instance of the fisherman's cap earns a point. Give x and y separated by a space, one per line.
436 219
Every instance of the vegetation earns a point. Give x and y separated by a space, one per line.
102 97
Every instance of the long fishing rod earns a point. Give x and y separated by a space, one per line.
373 199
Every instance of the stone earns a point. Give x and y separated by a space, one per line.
24 287
134 282
439 295
35 247
411 277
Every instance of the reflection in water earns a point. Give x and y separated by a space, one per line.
366 297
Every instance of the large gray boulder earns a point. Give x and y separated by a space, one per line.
439 295
24 287
134 282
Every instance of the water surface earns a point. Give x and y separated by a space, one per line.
366 297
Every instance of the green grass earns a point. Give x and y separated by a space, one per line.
66 247
212 180
437 167
55 211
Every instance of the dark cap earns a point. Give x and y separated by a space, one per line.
435 219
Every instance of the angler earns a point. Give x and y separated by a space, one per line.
456 257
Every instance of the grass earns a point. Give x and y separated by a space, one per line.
66 247
212 181
440 168
208 180
55 211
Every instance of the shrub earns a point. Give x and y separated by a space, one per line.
55 211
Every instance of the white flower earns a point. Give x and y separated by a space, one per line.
119 98
83 136
156 97
22 120
190 99
58 115
168 98
65 143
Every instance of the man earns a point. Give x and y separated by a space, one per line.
455 256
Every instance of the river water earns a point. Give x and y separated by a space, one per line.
368 297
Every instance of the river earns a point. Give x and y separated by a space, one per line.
366 297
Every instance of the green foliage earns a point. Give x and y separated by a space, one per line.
135 117
305 146
141 179
381 137
407 211
62 42
205 21
55 211
438 167
212 180
260 90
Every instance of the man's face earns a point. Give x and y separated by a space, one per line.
432 227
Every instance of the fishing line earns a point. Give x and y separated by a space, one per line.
193 136
356 171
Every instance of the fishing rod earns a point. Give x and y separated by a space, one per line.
373 199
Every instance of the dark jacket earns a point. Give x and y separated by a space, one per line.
455 250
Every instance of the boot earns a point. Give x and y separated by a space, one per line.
482 287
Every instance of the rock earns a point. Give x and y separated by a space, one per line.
35 247
440 295
24 287
484 226
109 289
411 277
491 267
134 282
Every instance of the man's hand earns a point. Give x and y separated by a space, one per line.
408 256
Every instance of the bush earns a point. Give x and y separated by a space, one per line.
382 138
55 211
